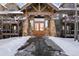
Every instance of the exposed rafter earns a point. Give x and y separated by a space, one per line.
50 4
39 7
34 8
43 8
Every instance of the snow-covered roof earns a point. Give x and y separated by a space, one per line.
50 4
14 12
22 4
11 12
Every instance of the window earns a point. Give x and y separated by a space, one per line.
39 19
46 23
31 23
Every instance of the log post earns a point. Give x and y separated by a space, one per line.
75 31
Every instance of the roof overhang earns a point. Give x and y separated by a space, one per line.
50 4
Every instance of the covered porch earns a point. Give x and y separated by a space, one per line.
39 19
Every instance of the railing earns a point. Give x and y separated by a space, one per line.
9 31
70 18
66 9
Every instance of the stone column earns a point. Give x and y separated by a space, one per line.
52 27
25 27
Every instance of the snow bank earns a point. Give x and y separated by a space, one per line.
9 47
70 46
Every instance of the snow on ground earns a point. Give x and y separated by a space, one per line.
8 47
69 46
3 41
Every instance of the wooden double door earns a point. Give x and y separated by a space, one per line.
39 28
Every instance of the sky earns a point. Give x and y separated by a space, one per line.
38 1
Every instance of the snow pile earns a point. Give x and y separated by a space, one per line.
9 47
70 46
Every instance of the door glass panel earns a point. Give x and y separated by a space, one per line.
31 24
15 27
46 23
41 26
39 19
37 26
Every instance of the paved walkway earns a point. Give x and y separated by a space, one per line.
40 47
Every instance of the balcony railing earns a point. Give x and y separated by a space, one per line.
70 18
9 31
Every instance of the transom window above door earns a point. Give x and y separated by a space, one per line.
39 19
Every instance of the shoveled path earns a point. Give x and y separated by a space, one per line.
40 47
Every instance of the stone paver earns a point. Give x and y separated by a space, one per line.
40 47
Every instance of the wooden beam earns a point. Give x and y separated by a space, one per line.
39 7
34 8
43 8
39 13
